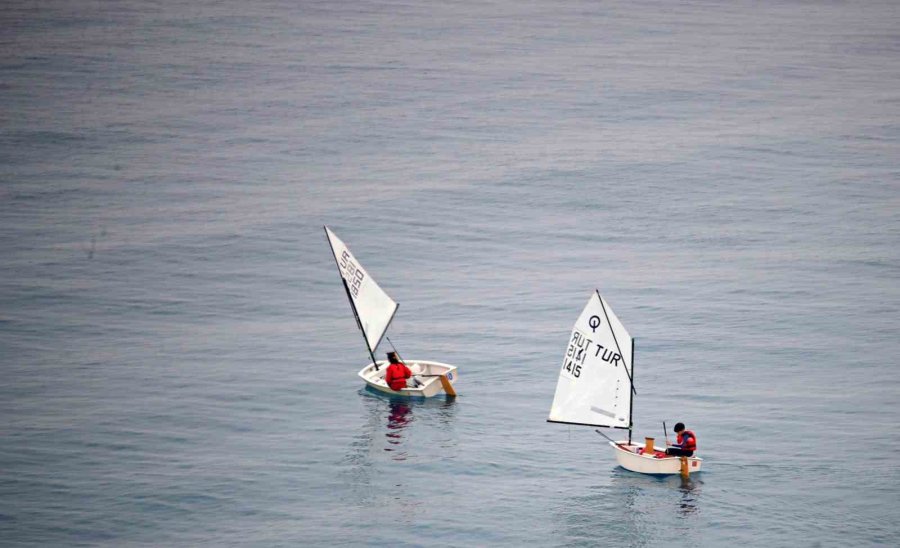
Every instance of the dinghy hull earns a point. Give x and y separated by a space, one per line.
629 459
431 386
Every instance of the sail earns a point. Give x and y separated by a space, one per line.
374 307
595 381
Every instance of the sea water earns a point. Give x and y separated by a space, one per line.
179 361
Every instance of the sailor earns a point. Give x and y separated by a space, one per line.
398 376
686 443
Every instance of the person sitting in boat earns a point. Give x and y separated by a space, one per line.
398 376
686 443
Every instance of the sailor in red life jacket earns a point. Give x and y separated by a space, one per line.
397 374
686 443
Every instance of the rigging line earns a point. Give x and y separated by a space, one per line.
607 437
394 347
613 331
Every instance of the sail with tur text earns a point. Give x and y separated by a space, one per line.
595 381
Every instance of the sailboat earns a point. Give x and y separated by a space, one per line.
596 388
374 309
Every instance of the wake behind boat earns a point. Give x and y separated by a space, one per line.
374 309
596 388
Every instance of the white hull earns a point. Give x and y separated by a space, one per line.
628 459
431 386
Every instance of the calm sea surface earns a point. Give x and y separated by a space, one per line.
178 357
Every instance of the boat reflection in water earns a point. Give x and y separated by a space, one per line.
389 457
399 417
690 495
394 417
666 492
642 508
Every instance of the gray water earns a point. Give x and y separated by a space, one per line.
178 357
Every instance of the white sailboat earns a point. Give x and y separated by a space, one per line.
596 388
374 309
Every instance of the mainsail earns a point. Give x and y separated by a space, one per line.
373 307
595 383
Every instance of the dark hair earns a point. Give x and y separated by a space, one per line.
679 427
393 357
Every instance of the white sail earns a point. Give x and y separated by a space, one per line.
374 307
595 382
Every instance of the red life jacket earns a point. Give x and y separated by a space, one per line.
687 440
396 376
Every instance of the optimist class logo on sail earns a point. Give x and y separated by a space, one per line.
579 351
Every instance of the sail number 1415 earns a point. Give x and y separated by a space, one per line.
576 353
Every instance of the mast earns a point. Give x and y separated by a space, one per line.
631 401
359 323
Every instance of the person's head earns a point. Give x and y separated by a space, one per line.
679 427
392 356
